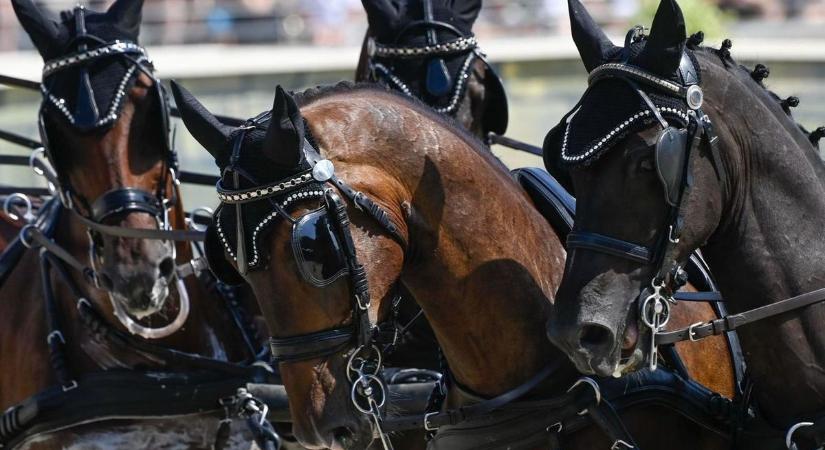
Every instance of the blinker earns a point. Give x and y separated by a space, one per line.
671 147
438 78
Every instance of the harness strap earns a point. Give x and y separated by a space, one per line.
609 245
734 321
435 420
142 233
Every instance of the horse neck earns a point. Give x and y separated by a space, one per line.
769 245
487 299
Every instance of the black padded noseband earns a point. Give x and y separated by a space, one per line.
124 200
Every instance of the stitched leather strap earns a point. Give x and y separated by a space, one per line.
611 246
735 321
311 345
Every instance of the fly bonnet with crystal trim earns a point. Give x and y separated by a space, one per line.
631 88
426 49
256 184
86 82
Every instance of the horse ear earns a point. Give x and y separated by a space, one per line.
381 15
213 135
467 10
666 43
127 14
285 136
44 32
595 48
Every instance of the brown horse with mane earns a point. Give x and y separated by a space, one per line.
67 347
481 109
327 270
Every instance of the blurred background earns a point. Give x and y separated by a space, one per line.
232 54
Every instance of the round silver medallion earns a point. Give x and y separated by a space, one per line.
323 170
695 97
371 47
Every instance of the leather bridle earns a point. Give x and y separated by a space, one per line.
655 300
673 155
367 341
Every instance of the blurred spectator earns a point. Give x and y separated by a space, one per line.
342 22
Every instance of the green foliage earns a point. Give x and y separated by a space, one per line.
700 15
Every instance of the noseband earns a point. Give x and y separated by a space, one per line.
673 150
330 225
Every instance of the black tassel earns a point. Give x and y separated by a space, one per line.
724 51
760 73
790 102
696 39
816 135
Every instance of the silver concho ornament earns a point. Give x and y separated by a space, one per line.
695 97
323 170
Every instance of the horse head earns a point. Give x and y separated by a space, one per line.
426 49
284 226
104 126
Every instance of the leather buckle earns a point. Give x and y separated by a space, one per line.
427 425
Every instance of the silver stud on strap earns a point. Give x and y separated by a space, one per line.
695 97
323 170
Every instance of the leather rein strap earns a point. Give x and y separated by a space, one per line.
734 321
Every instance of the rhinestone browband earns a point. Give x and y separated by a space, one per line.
117 48
232 197
447 48
609 70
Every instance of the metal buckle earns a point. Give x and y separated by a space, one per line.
789 435
692 334
71 385
555 428
427 425
619 444
592 383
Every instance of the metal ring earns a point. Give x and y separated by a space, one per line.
692 334
789 435
351 360
367 381
34 158
9 202
194 225
23 233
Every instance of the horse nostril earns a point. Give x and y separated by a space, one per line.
342 435
595 337
167 267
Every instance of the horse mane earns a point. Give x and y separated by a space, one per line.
722 58
311 95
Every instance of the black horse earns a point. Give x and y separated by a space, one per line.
675 147
426 49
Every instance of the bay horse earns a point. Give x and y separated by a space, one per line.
426 49
106 354
400 52
328 270
742 182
